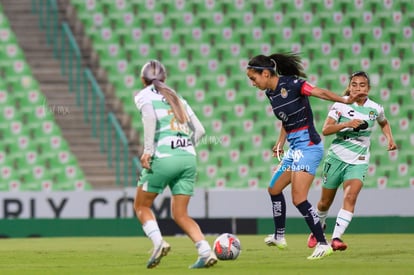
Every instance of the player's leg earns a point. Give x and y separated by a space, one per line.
345 214
332 177
148 188
301 182
327 197
142 204
179 210
190 227
182 189
354 176
306 161
280 179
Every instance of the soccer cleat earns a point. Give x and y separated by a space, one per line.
312 241
321 250
158 252
271 241
338 244
205 262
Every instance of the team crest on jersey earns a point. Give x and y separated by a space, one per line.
372 115
283 93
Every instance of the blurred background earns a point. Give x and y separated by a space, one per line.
69 70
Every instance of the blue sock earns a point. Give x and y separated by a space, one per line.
312 219
279 214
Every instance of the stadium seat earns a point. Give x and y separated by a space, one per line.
210 40
27 126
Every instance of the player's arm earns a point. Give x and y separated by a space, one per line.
386 130
310 90
149 122
331 126
197 128
278 147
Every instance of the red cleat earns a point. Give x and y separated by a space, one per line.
338 244
312 242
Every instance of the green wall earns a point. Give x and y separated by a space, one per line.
131 227
358 225
70 227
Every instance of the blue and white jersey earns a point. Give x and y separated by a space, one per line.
291 105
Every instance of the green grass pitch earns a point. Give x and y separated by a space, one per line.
366 254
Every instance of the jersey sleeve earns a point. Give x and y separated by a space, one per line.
381 114
335 112
188 109
306 88
140 100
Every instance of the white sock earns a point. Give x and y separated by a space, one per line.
342 221
203 248
322 216
153 232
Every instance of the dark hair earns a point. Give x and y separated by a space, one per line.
354 74
153 72
278 64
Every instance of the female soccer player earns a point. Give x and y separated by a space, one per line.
348 156
171 130
279 75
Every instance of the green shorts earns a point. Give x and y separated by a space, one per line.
335 172
179 173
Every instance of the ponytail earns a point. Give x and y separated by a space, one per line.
173 99
154 73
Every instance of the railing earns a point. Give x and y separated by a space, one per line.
48 20
71 55
81 80
121 140
91 87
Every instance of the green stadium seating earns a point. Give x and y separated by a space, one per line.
28 130
209 40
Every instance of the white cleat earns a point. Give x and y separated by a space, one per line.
271 241
321 251
158 252
205 262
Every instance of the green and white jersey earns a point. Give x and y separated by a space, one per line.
171 138
351 146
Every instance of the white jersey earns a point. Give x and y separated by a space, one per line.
353 146
171 137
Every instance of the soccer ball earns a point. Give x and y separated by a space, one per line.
227 247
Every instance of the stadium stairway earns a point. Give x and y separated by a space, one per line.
61 102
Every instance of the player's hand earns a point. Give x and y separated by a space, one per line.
392 146
354 123
353 97
362 126
146 161
277 151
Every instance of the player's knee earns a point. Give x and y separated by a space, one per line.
351 199
323 205
271 191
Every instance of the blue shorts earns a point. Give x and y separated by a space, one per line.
279 171
302 155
